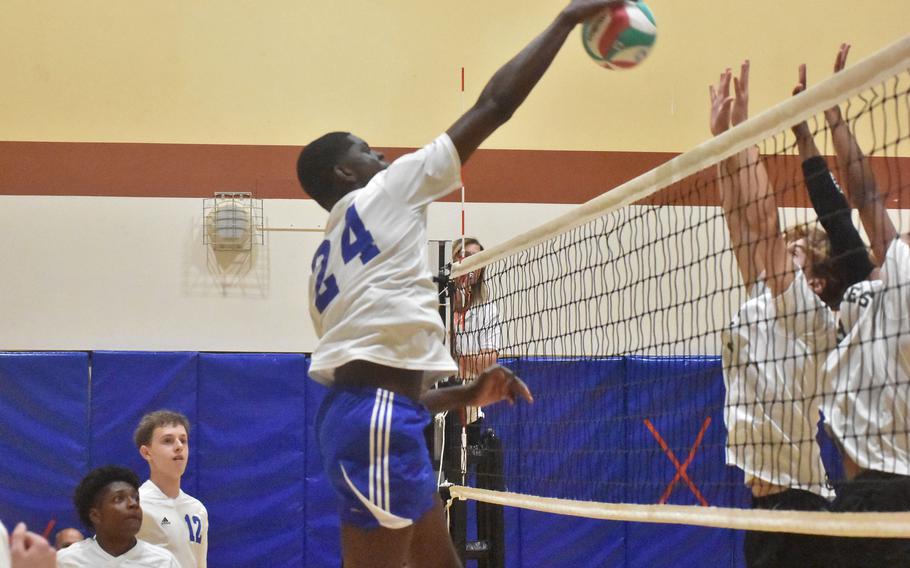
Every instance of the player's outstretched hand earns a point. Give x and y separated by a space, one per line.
833 114
29 550
841 61
721 103
498 383
580 10
801 82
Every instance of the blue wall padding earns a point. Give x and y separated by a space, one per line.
677 394
252 463
255 464
43 436
577 410
581 444
127 385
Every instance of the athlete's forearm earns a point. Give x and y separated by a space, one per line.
446 398
847 247
861 186
805 142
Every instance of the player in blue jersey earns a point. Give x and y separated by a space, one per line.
373 305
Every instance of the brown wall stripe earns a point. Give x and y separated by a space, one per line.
506 176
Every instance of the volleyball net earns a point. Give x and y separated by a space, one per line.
666 377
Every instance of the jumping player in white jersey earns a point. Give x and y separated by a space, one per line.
772 348
867 400
171 518
373 305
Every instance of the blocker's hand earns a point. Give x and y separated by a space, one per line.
580 10
498 383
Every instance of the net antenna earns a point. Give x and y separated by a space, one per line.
618 316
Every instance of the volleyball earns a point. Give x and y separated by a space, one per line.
620 37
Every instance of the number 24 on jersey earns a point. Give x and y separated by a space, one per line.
356 242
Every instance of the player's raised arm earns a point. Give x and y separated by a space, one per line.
746 195
860 182
510 86
847 247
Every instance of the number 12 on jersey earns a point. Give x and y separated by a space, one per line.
356 242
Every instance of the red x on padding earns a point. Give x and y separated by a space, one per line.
680 469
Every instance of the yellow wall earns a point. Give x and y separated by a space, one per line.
284 71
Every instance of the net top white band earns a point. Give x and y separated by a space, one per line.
879 525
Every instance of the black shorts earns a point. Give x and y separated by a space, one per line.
783 550
879 492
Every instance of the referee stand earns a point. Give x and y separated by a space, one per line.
467 449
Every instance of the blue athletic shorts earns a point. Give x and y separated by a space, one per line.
375 456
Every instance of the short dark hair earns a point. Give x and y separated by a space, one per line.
143 434
316 165
91 486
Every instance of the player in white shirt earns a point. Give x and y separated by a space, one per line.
476 327
107 500
373 305
476 331
867 395
171 518
773 347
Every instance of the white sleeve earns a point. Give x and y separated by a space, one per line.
423 176
801 312
896 268
4 547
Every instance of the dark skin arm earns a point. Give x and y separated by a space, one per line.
860 184
493 385
510 86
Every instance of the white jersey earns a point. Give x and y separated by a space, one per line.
180 525
772 366
372 295
89 554
868 405
477 330
4 547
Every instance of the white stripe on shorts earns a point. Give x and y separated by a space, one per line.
380 432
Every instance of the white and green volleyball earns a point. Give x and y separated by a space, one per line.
620 37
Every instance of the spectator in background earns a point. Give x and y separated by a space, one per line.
476 331
66 537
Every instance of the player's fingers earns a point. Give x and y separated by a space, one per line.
17 539
842 56
744 75
519 388
36 545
